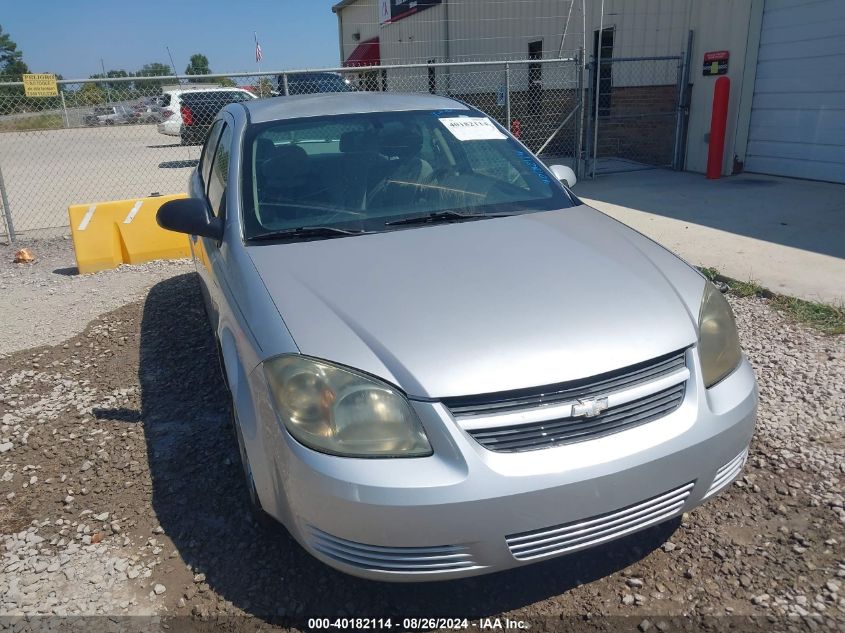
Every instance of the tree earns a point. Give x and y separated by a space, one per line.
227 82
90 94
198 65
12 65
121 86
154 69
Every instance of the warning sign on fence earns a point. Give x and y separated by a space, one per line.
40 85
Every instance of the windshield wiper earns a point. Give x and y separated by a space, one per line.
307 231
445 216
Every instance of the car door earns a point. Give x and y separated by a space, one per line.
218 178
203 186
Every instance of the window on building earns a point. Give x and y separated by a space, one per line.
535 71
605 74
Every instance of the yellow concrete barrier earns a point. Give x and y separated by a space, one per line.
107 234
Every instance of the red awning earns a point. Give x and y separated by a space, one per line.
365 54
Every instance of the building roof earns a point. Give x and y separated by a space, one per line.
343 3
322 104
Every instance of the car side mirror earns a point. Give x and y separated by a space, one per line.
189 215
564 174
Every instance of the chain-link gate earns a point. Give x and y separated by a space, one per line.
126 137
635 114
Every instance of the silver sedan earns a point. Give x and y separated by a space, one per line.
441 362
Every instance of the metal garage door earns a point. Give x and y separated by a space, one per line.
798 113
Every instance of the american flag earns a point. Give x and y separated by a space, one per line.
257 48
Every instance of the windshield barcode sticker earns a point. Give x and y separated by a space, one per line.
472 128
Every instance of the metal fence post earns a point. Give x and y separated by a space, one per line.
579 125
590 117
64 108
683 82
508 95
285 83
7 212
598 90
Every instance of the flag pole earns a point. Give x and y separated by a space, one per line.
258 63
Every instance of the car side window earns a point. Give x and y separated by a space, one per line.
208 151
219 172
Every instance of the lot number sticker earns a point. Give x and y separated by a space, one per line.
469 128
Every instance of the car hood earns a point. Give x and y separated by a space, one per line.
485 306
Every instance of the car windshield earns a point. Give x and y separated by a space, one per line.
377 171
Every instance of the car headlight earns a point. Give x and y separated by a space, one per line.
339 411
718 341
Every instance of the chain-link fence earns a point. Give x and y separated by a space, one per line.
635 113
135 136
131 137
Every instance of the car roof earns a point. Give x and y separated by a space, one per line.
312 75
329 103
182 91
213 94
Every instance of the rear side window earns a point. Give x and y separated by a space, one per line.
209 149
219 173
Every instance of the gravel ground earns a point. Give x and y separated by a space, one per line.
51 302
121 494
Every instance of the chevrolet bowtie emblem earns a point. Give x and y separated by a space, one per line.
589 408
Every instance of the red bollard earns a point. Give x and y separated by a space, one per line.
516 128
718 123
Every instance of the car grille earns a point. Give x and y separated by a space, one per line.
543 417
602 384
727 473
420 560
570 537
524 437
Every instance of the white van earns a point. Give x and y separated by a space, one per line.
171 106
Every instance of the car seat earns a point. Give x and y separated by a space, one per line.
404 169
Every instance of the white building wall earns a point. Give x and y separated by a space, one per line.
464 30
721 25
358 23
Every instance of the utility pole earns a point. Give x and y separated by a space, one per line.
108 87
172 65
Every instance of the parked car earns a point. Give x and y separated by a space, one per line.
108 115
442 363
171 107
199 108
146 113
309 83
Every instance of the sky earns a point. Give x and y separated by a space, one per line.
70 37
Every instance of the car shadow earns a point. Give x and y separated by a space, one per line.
179 164
200 500
164 145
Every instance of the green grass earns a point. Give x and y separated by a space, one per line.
746 288
827 318
35 122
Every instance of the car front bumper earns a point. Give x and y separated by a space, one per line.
467 510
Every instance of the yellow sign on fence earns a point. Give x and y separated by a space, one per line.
40 85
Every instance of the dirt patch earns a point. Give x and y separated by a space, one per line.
121 493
